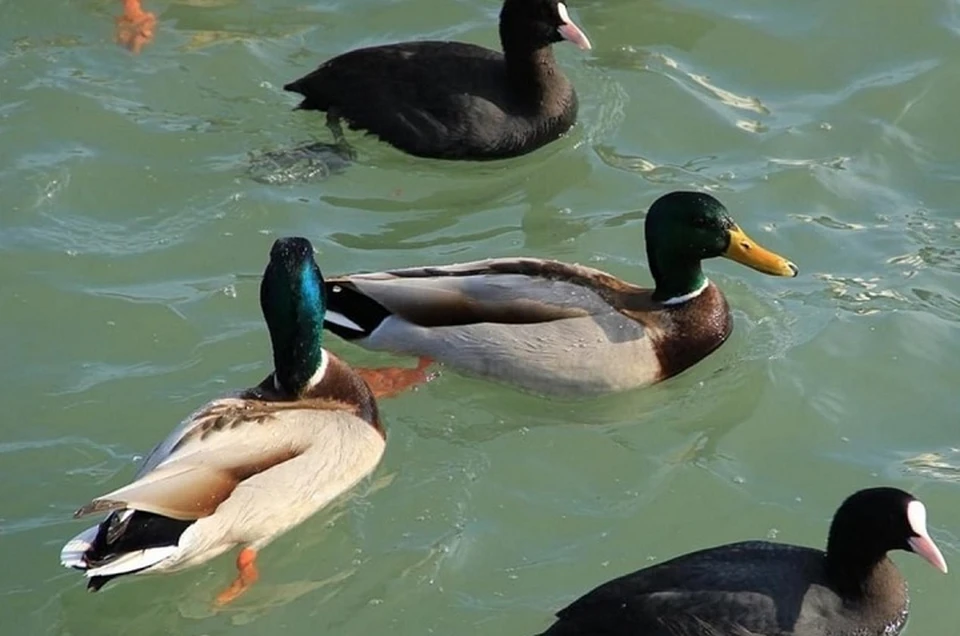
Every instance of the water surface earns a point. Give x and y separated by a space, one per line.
132 240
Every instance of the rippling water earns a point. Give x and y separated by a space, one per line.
132 238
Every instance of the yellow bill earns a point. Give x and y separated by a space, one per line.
745 251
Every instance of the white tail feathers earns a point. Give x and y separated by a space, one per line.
343 321
73 556
133 561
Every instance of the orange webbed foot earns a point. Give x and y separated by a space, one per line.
247 575
135 27
388 382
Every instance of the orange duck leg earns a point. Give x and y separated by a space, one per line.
390 381
135 27
247 575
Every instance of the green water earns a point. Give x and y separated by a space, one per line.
131 244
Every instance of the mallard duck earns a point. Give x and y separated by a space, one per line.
759 587
244 468
556 328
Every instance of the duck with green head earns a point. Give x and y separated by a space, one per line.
247 467
556 328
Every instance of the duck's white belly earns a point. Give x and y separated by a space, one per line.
574 356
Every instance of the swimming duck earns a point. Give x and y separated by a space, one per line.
247 467
452 100
772 589
556 328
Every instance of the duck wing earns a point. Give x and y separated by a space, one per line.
201 463
505 291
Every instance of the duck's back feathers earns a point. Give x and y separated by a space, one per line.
204 464
190 473
502 291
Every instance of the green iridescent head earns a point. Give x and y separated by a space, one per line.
293 304
683 228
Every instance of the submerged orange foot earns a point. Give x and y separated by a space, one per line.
390 381
247 575
135 27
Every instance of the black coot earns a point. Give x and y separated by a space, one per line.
760 588
451 100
